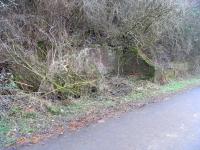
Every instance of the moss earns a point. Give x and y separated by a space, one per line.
54 110
25 79
134 51
147 67
69 83
42 50
29 115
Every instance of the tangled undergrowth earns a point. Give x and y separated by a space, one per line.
46 42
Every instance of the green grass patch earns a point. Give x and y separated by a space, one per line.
5 128
54 110
19 123
175 86
26 126
172 87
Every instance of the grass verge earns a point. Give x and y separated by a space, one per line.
18 124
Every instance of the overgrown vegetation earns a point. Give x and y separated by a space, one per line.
46 39
68 57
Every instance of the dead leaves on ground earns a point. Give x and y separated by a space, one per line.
59 130
84 122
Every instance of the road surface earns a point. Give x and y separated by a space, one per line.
169 125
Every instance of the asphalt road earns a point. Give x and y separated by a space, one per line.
169 125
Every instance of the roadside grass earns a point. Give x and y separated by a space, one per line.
148 94
19 123
5 128
175 86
